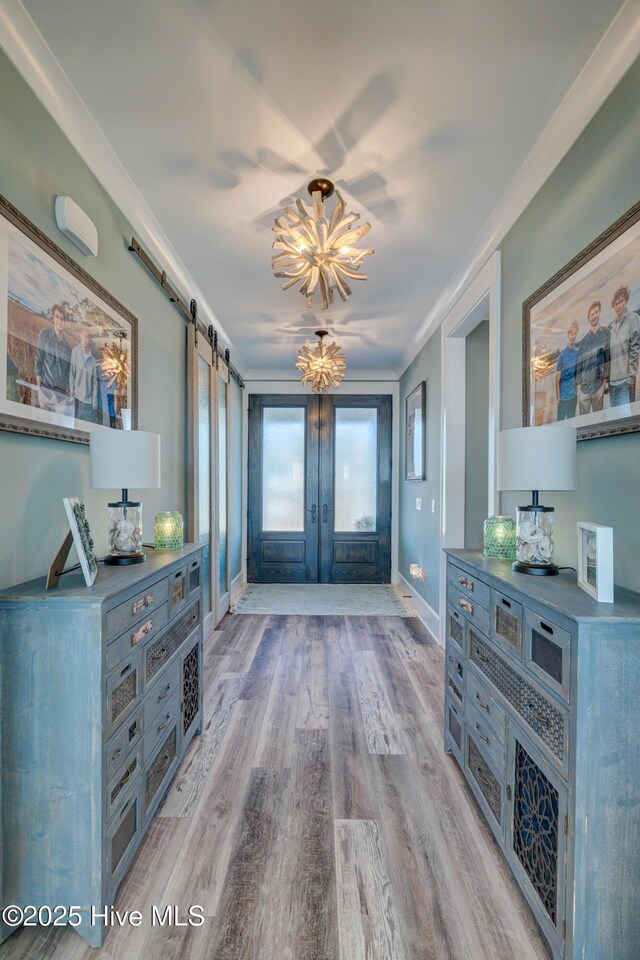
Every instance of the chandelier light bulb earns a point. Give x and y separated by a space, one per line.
317 253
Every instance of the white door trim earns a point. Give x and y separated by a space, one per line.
456 327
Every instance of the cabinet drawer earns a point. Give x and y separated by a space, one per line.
194 578
157 726
454 729
121 784
455 664
124 834
468 584
485 704
177 590
470 608
158 769
486 736
456 627
158 652
118 649
455 689
157 697
124 688
548 720
547 650
123 742
506 623
485 781
120 618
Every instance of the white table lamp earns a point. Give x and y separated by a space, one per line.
121 459
536 458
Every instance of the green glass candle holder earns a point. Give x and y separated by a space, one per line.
500 538
168 531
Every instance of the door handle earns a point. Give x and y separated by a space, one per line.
314 513
325 512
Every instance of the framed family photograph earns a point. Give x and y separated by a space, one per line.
595 561
581 338
82 539
68 349
414 441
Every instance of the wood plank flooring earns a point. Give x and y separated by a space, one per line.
317 816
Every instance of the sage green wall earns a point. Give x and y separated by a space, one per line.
476 479
419 531
36 163
597 181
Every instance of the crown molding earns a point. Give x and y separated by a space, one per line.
33 58
612 57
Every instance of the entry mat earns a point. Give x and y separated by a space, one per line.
323 599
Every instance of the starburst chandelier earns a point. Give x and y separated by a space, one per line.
322 367
317 253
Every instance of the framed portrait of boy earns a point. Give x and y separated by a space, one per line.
581 338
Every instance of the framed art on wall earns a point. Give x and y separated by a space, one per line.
414 439
595 561
581 338
68 349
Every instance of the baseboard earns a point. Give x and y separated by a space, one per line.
236 583
425 612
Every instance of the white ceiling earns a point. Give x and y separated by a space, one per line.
421 110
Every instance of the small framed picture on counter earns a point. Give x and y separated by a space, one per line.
595 561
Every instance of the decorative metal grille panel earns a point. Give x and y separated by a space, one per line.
451 685
535 828
485 778
160 765
190 689
536 710
455 631
124 779
123 695
508 627
168 642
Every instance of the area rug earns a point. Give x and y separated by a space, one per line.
323 599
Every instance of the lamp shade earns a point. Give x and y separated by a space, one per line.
123 459
537 458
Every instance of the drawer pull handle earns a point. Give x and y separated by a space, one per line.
465 605
546 627
192 619
125 670
165 693
537 716
196 563
133 731
165 724
505 603
126 806
116 754
126 777
140 634
467 584
449 658
485 706
481 656
481 735
158 654
481 779
142 604
165 763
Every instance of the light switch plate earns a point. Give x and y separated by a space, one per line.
433 506
418 503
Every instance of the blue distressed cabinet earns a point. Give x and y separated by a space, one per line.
101 692
542 711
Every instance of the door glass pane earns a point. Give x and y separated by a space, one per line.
203 480
283 438
356 461
222 487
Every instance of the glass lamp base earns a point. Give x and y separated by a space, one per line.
538 569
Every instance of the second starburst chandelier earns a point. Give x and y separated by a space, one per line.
316 252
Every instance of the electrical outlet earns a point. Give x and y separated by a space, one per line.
418 503
433 506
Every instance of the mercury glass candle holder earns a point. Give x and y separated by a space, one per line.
168 530
500 538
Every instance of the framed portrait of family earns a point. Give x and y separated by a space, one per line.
414 441
581 338
68 349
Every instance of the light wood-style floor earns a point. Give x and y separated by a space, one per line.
317 817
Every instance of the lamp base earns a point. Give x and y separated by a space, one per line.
113 559
537 569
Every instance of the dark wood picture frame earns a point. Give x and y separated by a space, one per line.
415 433
12 421
589 273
